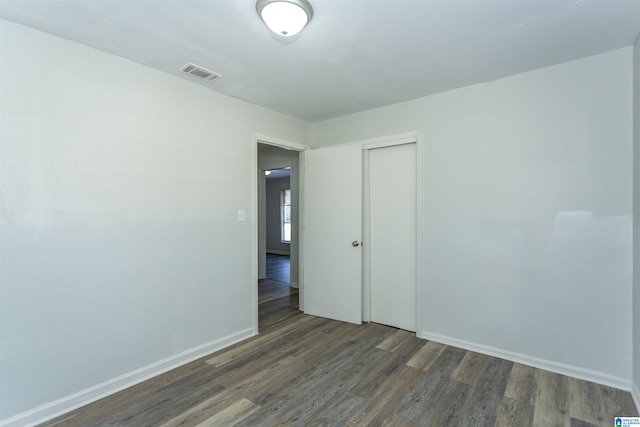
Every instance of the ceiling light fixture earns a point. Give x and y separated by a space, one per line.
285 17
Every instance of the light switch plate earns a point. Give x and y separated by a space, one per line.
242 215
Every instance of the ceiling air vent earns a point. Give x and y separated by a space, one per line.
200 72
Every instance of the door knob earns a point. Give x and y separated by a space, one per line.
355 243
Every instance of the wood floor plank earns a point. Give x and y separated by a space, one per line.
337 413
262 382
394 341
430 386
397 420
289 345
387 397
585 402
306 386
278 267
552 400
299 374
376 377
168 402
281 310
514 413
231 415
424 358
579 423
226 356
335 410
618 403
484 404
279 403
355 362
303 395
269 290
202 411
277 304
446 408
334 385
333 338
522 384
260 357
471 368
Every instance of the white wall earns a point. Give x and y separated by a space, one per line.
272 157
527 232
274 238
120 240
636 220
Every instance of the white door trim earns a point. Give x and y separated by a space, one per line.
282 143
366 237
288 145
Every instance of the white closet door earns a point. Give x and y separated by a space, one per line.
333 229
392 210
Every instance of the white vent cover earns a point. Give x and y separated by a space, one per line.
200 72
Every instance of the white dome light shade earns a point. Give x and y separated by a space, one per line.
285 17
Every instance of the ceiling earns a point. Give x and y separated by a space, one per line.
353 56
279 173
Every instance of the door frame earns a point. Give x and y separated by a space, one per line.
259 138
382 142
366 144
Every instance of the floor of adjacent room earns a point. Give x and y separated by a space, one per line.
303 370
278 268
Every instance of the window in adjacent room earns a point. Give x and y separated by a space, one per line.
285 215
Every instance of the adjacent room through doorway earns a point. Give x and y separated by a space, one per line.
278 235
278 224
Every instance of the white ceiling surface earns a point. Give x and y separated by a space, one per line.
353 56
279 173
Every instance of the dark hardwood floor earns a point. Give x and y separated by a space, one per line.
278 268
277 302
308 371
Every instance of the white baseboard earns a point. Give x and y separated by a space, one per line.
635 393
548 365
56 408
294 285
279 252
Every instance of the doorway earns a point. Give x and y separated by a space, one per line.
277 237
278 221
